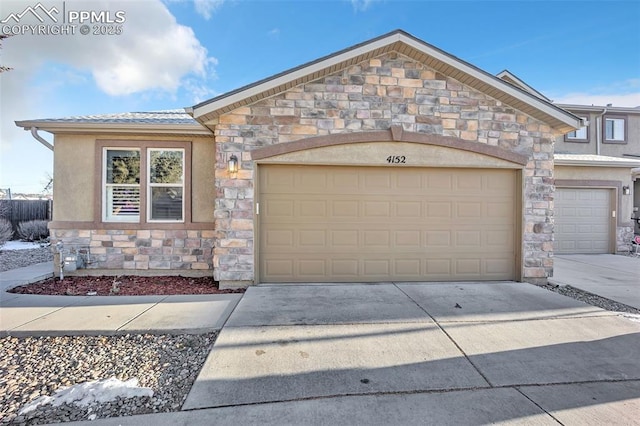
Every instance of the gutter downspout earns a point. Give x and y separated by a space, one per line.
36 136
599 130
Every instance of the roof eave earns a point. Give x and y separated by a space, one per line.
106 127
591 163
597 108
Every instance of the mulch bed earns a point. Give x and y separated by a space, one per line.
126 285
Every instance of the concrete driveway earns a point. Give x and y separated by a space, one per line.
447 353
607 275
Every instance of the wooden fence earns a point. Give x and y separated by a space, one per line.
23 210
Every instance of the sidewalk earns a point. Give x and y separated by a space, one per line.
26 275
36 315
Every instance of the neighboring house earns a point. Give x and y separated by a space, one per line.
387 161
609 140
597 188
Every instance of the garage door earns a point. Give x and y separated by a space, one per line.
582 220
372 224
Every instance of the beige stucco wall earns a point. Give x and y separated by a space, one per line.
622 174
202 174
73 187
75 174
631 147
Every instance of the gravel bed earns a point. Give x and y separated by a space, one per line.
592 299
12 259
35 366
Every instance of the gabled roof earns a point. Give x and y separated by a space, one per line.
511 78
168 121
402 43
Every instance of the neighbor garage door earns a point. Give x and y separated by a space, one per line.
371 224
582 220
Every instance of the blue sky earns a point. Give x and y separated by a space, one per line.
175 53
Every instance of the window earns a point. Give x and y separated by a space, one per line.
122 185
614 129
580 135
165 186
146 183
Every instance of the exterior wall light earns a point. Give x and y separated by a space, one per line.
626 190
232 164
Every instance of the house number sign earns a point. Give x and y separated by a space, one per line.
396 159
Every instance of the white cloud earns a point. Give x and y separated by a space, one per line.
205 8
153 52
360 5
630 100
620 94
154 56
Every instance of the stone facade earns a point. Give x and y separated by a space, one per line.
386 91
624 236
136 250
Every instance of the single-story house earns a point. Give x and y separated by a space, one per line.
391 160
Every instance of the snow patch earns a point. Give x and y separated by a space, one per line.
19 245
632 317
86 393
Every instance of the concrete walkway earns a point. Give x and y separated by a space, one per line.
35 315
438 353
26 275
612 276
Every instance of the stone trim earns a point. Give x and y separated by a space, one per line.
189 226
192 273
395 134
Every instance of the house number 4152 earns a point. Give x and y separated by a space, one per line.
396 159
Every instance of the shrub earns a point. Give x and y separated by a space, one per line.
6 231
33 230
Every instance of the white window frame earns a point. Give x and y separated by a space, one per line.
151 185
106 216
620 128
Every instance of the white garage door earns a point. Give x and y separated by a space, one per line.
372 224
582 221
